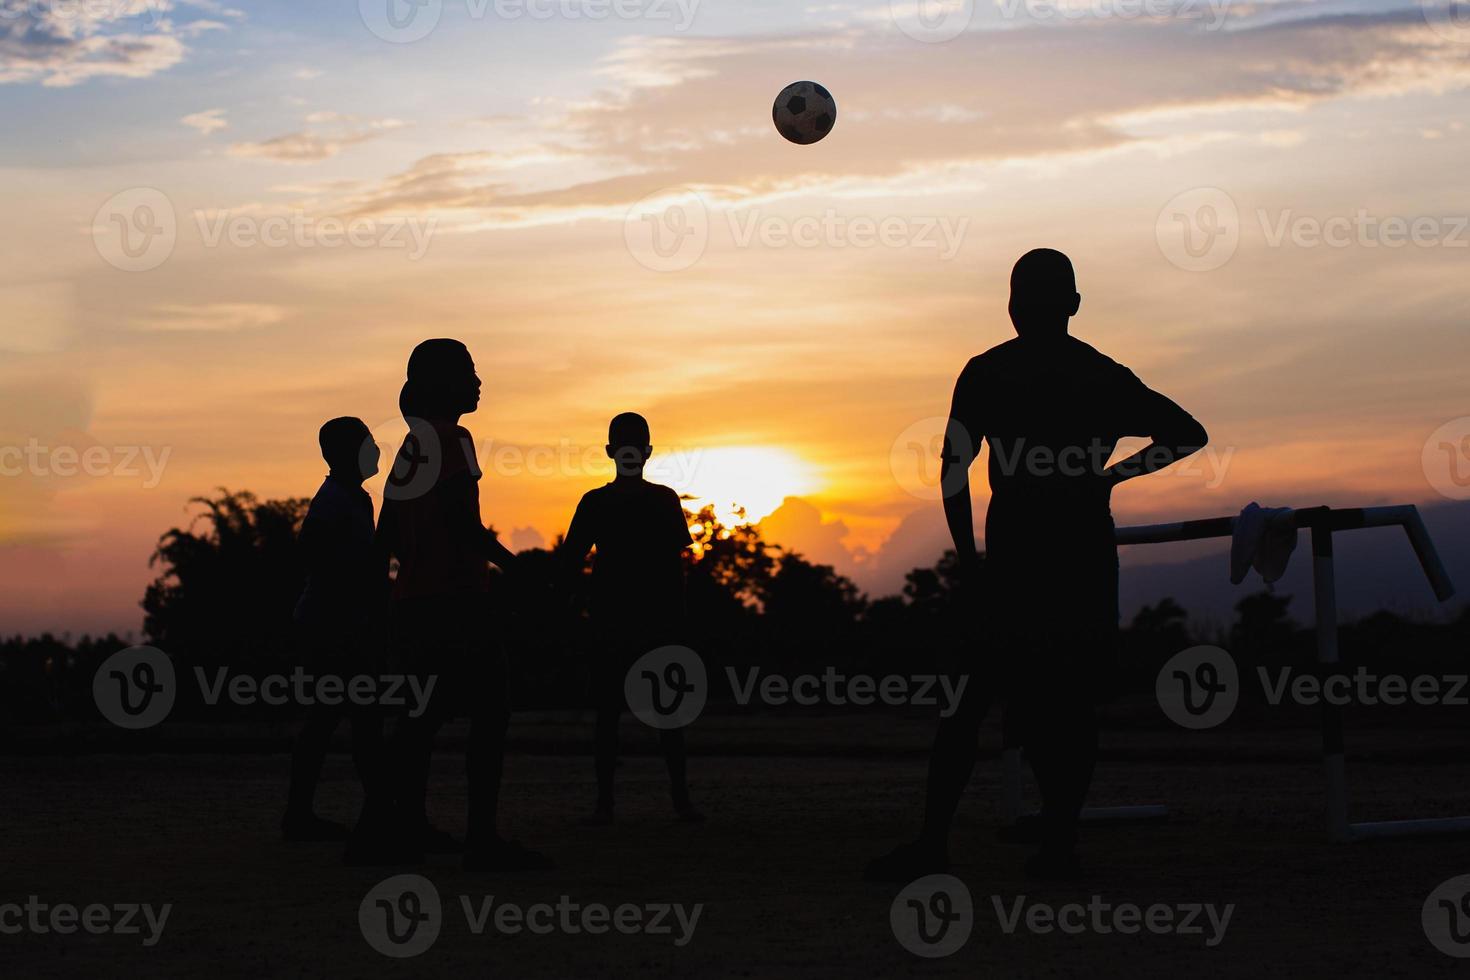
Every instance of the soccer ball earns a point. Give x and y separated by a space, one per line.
804 113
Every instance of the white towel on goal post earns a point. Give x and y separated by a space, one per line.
1264 539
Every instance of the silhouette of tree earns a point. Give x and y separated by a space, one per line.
49 678
1156 633
810 611
730 562
1263 632
938 592
228 582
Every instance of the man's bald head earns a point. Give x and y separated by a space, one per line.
1043 292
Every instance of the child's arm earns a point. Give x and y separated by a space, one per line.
384 533
678 534
572 555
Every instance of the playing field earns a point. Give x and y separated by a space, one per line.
776 868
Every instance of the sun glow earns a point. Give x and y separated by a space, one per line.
732 479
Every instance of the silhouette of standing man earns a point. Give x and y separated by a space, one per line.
1052 409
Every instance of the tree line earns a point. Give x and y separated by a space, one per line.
225 586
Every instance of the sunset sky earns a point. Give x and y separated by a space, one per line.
226 223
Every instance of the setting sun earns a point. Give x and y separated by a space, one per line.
752 479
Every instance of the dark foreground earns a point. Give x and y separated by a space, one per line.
776 868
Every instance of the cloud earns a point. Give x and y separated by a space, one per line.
693 111
798 525
208 121
526 538
209 317
314 145
65 44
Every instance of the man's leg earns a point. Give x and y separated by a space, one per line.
952 763
1062 746
1060 732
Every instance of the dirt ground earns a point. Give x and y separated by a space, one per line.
796 805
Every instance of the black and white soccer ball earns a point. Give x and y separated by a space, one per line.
805 112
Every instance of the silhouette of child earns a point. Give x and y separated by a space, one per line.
640 534
345 588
